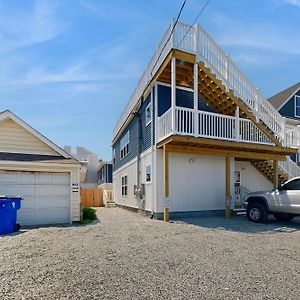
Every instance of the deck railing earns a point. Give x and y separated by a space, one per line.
210 125
231 76
290 167
195 40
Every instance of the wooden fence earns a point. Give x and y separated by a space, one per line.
91 197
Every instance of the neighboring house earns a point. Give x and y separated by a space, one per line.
89 165
33 167
105 181
196 133
287 102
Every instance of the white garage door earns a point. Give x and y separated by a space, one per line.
46 196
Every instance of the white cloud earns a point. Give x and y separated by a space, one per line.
294 2
25 28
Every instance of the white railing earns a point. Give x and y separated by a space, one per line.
292 135
164 126
233 78
210 125
290 167
160 54
216 126
195 40
240 192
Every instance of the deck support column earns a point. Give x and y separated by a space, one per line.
166 182
227 188
196 115
275 169
173 91
237 127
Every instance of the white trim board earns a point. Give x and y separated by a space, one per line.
288 98
7 114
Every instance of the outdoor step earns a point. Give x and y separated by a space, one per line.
110 204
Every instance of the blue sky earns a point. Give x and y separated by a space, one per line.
68 67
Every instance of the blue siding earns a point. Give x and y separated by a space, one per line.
105 174
184 98
288 109
145 133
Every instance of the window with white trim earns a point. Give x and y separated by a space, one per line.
148 173
297 106
124 145
124 185
148 114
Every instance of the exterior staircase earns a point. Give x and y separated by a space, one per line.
287 169
265 167
226 87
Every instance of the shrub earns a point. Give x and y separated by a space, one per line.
89 213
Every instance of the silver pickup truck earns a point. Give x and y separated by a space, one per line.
283 203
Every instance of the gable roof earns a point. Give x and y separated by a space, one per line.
7 114
282 97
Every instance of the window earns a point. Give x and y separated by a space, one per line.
148 173
148 114
124 145
297 106
292 185
124 185
114 157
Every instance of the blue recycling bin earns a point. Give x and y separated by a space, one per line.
8 214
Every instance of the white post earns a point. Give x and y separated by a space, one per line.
298 141
227 70
197 33
284 135
196 114
173 91
237 124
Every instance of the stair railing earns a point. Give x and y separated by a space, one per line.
289 167
208 51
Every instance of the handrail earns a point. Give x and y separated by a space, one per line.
290 167
197 41
210 125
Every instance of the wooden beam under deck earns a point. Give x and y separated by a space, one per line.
185 144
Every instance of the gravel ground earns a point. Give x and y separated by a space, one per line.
128 256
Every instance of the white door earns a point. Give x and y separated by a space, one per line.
47 196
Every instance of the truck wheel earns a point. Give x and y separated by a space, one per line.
283 218
257 213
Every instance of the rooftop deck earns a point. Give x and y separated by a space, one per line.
195 41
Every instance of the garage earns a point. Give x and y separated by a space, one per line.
33 167
47 196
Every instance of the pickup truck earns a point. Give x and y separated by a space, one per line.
283 203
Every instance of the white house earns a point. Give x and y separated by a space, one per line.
33 167
90 164
196 134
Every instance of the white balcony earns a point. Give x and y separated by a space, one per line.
196 123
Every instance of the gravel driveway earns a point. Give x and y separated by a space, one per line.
127 256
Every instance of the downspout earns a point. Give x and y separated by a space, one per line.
139 194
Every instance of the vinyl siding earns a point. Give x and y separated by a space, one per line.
145 133
196 182
106 171
184 98
251 178
15 139
288 109
130 171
